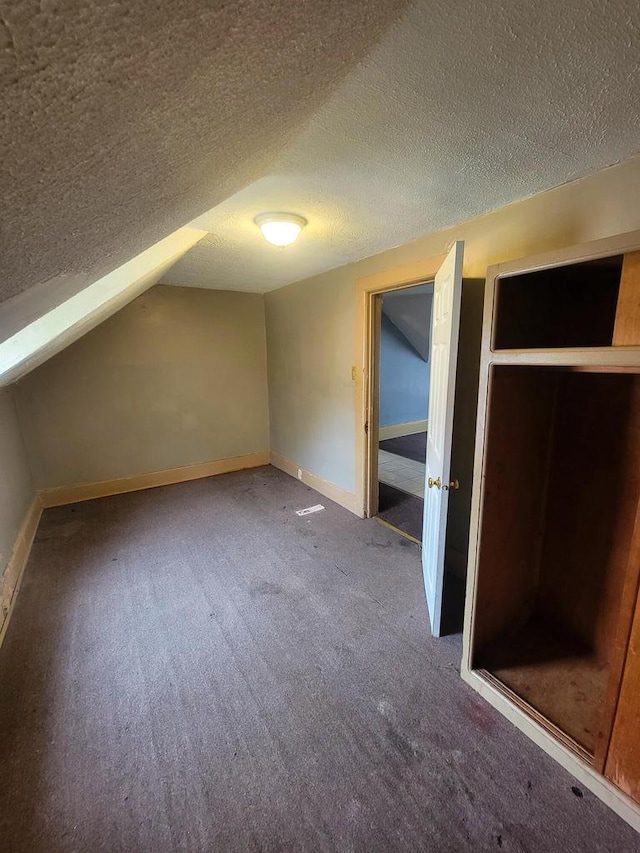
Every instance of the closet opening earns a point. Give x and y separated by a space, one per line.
560 307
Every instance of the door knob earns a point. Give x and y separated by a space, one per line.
454 485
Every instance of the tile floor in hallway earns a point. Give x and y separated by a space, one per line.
402 473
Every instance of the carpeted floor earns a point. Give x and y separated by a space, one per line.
195 668
401 509
410 446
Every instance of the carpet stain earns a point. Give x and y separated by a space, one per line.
479 713
385 708
265 588
406 749
60 530
307 533
354 810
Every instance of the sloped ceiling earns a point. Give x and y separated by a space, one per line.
460 108
378 120
40 322
122 121
409 310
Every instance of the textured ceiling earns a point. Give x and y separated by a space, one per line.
461 107
121 121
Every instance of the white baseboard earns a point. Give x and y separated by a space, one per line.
12 575
62 495
397 430
329 490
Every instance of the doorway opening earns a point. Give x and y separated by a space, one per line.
402 379
454 329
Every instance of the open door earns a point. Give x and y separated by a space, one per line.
445 325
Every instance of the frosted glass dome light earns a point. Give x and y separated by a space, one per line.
280 229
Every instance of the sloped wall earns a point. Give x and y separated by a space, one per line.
176 378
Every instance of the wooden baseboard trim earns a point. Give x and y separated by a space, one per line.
397 430
329 490
62 495
12 575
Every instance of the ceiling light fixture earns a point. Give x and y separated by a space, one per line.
281 229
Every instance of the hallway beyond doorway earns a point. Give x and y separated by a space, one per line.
405 474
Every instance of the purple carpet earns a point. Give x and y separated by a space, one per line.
196 668
400 509
410 446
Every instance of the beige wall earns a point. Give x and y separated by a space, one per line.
311 395
179 376
16 487
311 330
175 378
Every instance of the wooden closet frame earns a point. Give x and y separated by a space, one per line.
619 357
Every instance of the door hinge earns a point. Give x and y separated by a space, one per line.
366 427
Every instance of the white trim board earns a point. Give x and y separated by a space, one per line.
329 490
32 331
398 430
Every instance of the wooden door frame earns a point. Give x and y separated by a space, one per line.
368 304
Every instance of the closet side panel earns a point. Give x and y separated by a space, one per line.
623 760
520 422
627 326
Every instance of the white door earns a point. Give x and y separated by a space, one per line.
445 324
